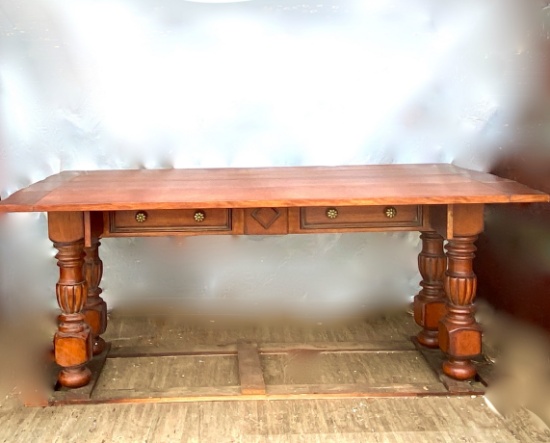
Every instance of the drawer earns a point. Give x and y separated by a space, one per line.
170 220
358 217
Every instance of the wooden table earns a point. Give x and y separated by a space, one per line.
441 201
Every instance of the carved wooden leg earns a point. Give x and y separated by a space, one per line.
73 340
459 334
430 303
95 310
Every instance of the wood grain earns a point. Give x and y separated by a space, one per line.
250 369
313 413
266 187
168 347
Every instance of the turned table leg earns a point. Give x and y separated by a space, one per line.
95 310
72 341
459 334
430 303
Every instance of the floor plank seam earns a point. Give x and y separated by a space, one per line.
252 384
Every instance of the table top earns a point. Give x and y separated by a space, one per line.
266 187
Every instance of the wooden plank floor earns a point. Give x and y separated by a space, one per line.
315 373
154 360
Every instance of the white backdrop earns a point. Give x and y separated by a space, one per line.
97 84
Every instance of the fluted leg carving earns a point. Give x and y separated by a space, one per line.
430 303
73 340
95 310
459 334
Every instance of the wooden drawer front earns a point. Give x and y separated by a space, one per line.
358 217
170 220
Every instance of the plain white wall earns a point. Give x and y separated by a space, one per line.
137 84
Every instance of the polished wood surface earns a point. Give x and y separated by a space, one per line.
267 187
73 344
429 304
443 202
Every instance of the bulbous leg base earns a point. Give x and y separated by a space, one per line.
429 339
459 369
74 377
98 345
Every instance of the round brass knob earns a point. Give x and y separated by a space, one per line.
332 213
390 212
141 216
199 216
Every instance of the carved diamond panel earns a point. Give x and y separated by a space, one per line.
266 216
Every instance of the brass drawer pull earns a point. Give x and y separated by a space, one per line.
332 213
199 216
390 212
141 216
